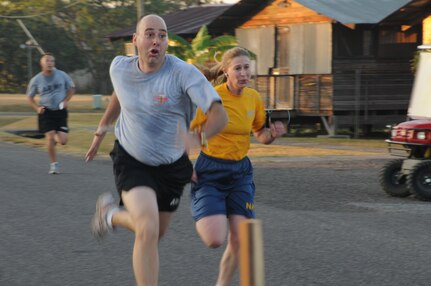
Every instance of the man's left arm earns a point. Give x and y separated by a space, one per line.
217 119
70 91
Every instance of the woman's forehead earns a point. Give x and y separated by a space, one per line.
240 60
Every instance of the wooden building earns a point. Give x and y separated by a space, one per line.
345 64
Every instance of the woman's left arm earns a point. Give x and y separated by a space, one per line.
268 135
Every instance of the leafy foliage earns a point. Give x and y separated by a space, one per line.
74 30
203 49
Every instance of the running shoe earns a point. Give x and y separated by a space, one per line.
54 168
99 223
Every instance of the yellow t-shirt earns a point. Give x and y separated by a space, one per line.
246 114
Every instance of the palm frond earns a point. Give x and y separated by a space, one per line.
224 40
202 41
176 40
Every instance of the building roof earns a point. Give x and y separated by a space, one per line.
225 18
412 13
355 11
186 22
237 15
343 11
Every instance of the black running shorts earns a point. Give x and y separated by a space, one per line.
51 120
167 181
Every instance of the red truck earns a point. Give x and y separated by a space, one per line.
411 141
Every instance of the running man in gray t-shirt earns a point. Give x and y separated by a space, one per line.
154 99
55 88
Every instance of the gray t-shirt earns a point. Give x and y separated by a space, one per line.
156 106
52 89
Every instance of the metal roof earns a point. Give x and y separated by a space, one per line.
186 22
237 15
225 18
355 11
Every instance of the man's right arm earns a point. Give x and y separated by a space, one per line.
31 92
111 114
34 105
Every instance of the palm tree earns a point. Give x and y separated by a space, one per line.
202 50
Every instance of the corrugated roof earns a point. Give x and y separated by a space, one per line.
237 15
225 18
355 11
185 22
190 20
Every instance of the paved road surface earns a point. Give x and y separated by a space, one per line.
326 222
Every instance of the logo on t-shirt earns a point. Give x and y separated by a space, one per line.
160 99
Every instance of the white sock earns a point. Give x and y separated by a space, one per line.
109 215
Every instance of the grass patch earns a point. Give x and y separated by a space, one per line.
7 120
21 122
259 150
83 120
367 143
82 127
78 104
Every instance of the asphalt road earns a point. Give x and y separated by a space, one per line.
325 222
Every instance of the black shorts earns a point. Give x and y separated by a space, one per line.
51 120
167 181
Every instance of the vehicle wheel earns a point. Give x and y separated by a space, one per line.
392 180
419 181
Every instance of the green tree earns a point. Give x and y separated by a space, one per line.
165 6
203 50
74 30
13 72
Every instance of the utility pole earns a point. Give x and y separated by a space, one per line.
29 45
30 36
140 8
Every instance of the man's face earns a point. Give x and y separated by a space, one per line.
151 40
47 63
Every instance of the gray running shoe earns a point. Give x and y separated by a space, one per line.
54 168
99 223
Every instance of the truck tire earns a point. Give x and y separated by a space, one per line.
419 181
392 181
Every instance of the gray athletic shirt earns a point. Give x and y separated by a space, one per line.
155 106
52 89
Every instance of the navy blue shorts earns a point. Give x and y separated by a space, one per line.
223 187
167 181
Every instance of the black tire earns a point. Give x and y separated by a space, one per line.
419 181
392 181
